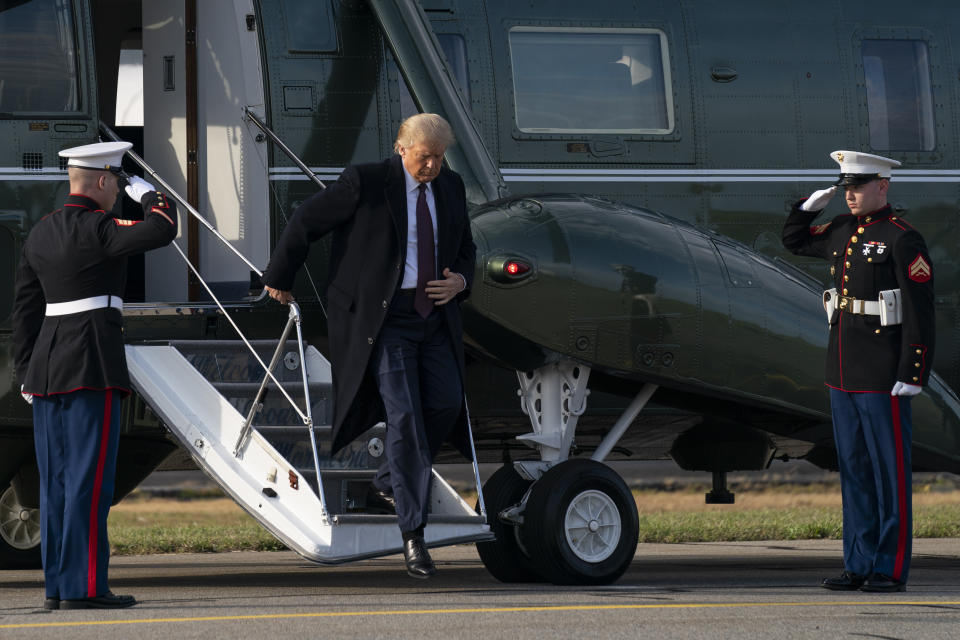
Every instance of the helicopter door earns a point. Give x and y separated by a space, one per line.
196 82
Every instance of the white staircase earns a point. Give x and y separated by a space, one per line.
203 391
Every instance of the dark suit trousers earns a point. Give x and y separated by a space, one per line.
76 436
419 382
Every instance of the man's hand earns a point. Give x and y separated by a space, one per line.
443 291
818 200
283 297
904 389
26 396
137 188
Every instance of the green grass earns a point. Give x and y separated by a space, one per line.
146 526
134 540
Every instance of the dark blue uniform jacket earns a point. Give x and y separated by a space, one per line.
79 252
869 254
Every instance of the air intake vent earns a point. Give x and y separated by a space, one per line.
33 161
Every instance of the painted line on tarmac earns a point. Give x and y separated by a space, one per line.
420 612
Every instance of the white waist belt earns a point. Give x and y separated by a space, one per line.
84 304
861 307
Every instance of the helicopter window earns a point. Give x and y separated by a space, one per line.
599 81
310 26
455 49
38 57
899 95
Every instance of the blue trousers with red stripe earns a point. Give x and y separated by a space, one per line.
76 436
873 435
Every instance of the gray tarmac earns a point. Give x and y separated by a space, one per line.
701 590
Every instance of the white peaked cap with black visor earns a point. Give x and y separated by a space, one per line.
101 156
857 167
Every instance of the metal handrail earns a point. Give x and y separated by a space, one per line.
293 318
170 191
267 131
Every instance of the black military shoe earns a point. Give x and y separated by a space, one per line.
419 563
51 603
106 601
882 583
846 581
380 501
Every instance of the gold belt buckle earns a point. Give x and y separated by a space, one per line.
843 302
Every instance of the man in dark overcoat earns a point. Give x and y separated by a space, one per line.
70 359
881 316
402 260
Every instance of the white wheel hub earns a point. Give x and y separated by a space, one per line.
592 526
19 526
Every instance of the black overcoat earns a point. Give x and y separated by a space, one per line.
869 254
80 251
366 211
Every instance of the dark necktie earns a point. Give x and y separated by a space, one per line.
426 270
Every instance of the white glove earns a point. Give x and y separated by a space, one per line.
904 389
818 200
137 187
26 396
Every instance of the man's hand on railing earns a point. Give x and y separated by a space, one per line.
283 297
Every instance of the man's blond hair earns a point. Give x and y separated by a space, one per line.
424 127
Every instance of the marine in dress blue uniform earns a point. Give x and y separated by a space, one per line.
881 315
402 260
68 336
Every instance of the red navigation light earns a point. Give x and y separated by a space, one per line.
510 269
516 268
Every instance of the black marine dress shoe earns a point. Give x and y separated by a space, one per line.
51 603
882 583
419 563
106 601
380 501
846 581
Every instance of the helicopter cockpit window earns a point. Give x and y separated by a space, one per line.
899 95
38 57
591 80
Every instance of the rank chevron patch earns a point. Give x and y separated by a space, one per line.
919 270
820 228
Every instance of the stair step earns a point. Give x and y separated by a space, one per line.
251 388
220 345
268 430
372 518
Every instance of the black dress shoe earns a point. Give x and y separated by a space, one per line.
880 582
106 601
380 501
51 603
846 581
419 563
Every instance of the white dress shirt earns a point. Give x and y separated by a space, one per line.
410 268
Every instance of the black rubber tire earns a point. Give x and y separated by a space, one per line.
544 530
504 557
13 553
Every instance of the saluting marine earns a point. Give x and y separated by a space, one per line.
70 359
881 317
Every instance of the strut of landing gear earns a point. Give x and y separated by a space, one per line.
719 494
567 521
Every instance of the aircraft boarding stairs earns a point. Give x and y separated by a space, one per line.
203 389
